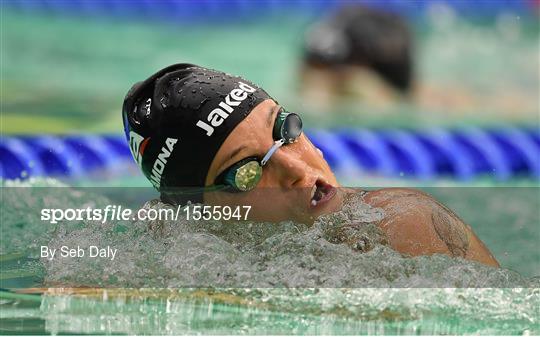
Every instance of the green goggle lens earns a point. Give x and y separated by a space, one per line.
243 176
247 176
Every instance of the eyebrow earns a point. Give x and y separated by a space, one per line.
270 118
235 152
231 156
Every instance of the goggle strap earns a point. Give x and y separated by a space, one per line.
273 149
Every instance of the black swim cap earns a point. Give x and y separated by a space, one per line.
176 120
363 36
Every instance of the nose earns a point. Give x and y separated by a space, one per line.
289 168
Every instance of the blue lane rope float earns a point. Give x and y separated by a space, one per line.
461 154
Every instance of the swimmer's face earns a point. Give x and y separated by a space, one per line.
294 177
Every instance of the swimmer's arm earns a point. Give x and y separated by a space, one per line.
416 224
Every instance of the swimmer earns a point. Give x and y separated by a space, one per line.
366 55
358 51
231 142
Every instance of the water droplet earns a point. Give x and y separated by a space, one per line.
164 102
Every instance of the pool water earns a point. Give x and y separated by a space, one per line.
285 278
344 311
496 82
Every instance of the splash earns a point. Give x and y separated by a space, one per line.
234 254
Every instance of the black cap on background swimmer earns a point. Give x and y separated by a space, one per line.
177 119
368 37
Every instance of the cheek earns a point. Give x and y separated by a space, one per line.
312 155
314 158
267 204
269 178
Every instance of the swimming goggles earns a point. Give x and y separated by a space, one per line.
246 174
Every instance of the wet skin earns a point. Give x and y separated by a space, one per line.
414 223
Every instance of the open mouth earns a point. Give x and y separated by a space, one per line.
321 193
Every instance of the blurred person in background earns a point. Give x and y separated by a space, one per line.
369 54
358 51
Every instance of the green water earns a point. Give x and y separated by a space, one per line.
73 74
387 293
386 311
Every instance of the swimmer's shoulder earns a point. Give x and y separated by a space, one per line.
417 224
